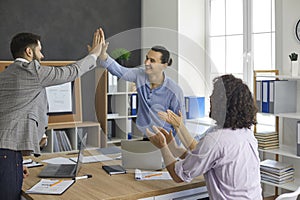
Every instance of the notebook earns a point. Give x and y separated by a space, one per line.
65 170
140 155
114 169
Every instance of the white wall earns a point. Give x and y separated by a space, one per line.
191 28
160 27
180 26
287 15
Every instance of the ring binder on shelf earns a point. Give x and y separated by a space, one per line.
133 104
265 96
195 107
276 98
258 95
298 138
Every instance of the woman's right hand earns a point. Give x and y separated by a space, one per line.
171 118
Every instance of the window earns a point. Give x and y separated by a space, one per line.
263 34
241 39
239 42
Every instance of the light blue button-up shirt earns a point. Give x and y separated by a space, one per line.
150 101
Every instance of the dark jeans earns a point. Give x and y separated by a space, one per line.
11 174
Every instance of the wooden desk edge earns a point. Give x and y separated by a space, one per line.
178 188
134 194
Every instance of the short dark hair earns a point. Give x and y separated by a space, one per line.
165 58
232 104
21 41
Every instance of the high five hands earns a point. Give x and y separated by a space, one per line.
99 40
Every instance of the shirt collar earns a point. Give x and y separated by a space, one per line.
164 82
22 60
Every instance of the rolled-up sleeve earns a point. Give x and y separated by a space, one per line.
105 63
199 161
128 74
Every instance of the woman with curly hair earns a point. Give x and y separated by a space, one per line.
227 156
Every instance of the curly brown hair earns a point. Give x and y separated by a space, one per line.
231 103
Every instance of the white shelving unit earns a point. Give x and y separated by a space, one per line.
113 110
286 126
92 129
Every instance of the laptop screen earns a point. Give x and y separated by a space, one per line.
140 155
82 145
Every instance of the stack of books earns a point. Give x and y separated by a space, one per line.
267 140
276 172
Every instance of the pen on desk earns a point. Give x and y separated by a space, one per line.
72 153
57 182
83 177
150 175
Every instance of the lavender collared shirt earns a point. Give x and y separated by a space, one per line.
229 161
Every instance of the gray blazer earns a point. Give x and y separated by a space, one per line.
23 100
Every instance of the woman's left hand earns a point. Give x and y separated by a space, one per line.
157 139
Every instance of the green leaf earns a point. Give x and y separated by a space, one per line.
120 54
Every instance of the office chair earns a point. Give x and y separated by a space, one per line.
289 196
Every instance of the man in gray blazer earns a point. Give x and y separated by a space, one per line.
23 105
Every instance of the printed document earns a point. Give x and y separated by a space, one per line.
47 186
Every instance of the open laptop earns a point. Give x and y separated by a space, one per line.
140 155
65 170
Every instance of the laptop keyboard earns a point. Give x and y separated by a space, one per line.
65 169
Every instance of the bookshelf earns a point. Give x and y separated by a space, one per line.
113 110
92 129
286 126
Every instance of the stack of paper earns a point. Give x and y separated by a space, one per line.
276 172
267 140
30 163
46 186
91 159
152 175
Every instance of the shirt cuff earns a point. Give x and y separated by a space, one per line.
94 56
106 63
181 172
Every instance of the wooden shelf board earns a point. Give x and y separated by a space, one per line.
289 115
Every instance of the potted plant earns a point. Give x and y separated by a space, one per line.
121 55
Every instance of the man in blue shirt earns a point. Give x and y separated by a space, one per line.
156 92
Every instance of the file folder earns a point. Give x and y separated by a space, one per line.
258 95
195 107
298 138
271 96
133 104
278 96
282 96
265 96
112 83
129 129
111 129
